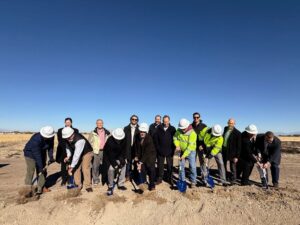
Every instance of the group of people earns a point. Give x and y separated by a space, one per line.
138 152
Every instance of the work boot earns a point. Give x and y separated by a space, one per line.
276 185
89 189
45 190
110 191
159 181
122 188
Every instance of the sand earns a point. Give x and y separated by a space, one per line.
231 205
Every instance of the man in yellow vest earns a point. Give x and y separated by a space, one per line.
185 140
213 141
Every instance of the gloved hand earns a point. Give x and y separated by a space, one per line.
51 161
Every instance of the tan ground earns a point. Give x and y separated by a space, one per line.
232 205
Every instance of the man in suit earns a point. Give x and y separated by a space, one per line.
131 133
269 153
61 153
231 148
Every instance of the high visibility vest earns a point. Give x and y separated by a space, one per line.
186 141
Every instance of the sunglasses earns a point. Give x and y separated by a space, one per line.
196 117
134 119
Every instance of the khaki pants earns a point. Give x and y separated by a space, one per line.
86 170
31 169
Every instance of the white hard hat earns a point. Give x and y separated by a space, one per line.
251 129
67 132
183 124
118 134
144 127
47 132
216 130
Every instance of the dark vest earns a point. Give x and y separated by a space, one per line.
86 149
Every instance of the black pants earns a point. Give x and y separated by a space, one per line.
161 162
150 171
275 172
233 166
64 172
244 168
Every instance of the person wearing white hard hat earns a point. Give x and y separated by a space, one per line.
61 153
114 160
35 153
145 155
185 141
213 142
79 157
247 157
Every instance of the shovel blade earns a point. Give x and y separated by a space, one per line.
181 185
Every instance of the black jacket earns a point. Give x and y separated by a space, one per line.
153 128
36 149
61 147
248 149
145 151
270 154
113 150
198 128
163 140
130 153
234 143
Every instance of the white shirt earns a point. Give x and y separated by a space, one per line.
79 145
133 127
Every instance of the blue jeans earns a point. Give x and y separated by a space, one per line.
192 163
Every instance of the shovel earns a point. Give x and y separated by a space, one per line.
209 180
116 180
181 184
136 190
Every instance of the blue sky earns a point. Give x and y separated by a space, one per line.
111 59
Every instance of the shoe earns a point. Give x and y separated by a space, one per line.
96 183
122 188
246 183
89 189
45 190
152 189
275 185
63 183
109 191
158 182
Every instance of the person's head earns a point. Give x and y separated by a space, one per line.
269 137
47 132
144 128
68 122
118 134
158 119
231 123
166 120
68 134
251 130
216 130
99 123
134 119
183 125
196 117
